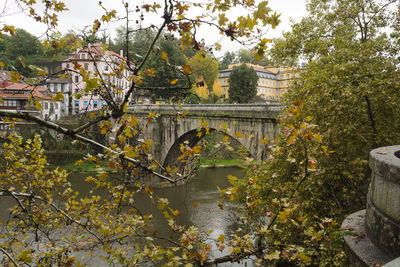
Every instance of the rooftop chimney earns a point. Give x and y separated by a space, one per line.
121 53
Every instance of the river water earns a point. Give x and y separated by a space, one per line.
201 189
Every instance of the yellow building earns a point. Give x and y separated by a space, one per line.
273 82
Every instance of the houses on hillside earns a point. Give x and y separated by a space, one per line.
95 60
99 62
273 82
16 96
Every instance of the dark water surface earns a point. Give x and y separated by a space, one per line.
201 189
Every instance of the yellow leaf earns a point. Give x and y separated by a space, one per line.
304 257
164 56
318 137
174 212
238 135
79 162
1 64
137 79
174 81
59 96
272 256
38 105
15 77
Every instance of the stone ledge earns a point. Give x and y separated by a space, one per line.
393 263
359 248
384 161
382 229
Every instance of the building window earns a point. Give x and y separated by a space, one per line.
76 79
86 66
46 105
106 68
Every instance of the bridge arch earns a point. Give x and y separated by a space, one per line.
192 138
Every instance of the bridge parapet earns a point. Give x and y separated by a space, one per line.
268 110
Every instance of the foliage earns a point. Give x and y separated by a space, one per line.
243 56
20 50
317 171
192 99
242 84
205 67
49 222
217 147
228 59
164 63
58 47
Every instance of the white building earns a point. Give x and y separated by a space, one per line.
100 63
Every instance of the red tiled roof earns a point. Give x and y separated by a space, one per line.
40 92
96 50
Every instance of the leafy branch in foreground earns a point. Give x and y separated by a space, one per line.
50 224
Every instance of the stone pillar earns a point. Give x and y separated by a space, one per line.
382 221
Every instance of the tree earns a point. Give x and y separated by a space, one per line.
205 67
317 172
21 50
244 56
167 81
228 58
242 84
45 202
58 47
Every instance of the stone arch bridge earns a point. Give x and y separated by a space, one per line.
173 125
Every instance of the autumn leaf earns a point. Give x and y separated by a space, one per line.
59 96
150 72
187 69
164 56
173 82
21 60
272 256
79 162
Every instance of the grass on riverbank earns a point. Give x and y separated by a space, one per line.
222 162
85 167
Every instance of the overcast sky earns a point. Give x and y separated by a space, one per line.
84 12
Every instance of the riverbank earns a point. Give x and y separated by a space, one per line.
222 163
68 160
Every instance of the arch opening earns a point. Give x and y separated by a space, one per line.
217 148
